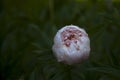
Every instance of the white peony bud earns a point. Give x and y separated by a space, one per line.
71 45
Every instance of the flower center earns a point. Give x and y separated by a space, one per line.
70 35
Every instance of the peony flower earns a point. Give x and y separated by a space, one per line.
71 45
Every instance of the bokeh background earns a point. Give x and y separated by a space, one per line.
27 29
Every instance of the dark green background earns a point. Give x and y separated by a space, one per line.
27 29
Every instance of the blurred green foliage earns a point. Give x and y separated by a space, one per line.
27 29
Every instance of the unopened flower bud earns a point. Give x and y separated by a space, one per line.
71 45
